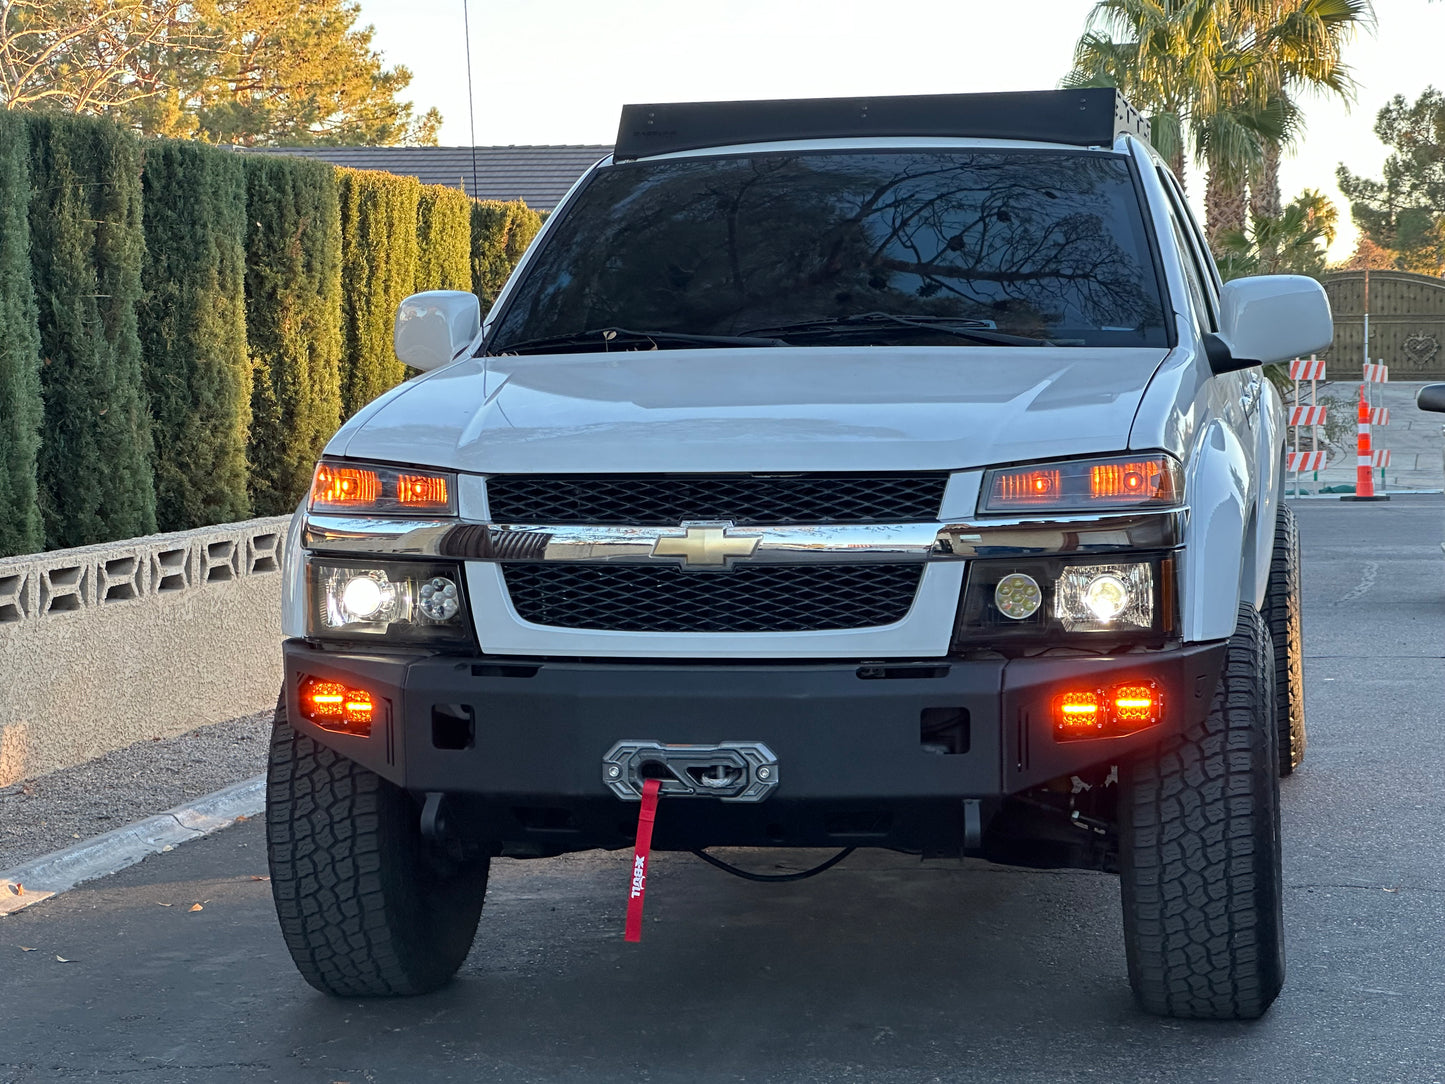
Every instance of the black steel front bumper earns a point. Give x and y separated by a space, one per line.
521 743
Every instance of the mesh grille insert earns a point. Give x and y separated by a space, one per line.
752 500
753 598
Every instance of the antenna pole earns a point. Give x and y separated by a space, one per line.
471 97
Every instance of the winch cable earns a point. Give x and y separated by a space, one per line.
775 878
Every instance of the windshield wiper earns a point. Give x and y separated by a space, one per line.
979 331
605 338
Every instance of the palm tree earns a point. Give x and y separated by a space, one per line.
1304 40
1159 53
1227 72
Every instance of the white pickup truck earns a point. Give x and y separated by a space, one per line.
892 472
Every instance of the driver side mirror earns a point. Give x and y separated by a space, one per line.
432 328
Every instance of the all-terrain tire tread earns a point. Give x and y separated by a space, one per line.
1282 612
355 910
1199 852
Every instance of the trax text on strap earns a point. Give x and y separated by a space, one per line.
646 816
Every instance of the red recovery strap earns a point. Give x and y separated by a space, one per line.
645 817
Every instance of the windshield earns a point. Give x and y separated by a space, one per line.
834 247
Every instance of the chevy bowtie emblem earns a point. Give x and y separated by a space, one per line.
706 547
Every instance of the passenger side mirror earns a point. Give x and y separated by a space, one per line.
1270 318
1431 397
432 328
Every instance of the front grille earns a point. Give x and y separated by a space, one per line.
751 500
752 598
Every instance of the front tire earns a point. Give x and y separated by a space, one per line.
368 906
1282 612
1200 869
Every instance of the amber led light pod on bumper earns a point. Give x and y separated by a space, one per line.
335 707
1107 713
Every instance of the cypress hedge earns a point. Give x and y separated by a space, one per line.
193 332
20 405
378 271
501 232
444 239
86 247
293 323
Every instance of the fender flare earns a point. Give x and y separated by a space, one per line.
1219 552
293 577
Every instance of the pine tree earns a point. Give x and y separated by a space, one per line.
86 247
378 271
20 528
293 323
193 332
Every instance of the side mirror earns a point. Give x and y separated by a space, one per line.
1270 318
434 327
1431 397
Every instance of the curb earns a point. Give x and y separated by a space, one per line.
51 874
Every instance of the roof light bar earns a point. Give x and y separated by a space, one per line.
1087 117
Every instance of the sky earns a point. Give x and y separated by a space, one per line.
559 71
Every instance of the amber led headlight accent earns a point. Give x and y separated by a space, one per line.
381 490
1086 485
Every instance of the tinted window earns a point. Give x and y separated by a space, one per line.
1040 244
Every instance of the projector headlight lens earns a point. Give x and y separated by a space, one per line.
1106 596
364 597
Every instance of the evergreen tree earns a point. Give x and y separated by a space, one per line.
501 232
293 323
378 271
1405 212
86 247
444 239
227 71
20 529
193 332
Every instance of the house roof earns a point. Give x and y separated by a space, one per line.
539 176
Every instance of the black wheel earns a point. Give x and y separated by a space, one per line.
1282 613
368 907
1200 855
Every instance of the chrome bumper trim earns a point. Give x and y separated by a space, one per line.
852 544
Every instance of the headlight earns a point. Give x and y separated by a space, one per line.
1073 600
373 489
1086 485
400 601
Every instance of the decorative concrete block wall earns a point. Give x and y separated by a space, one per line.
108 645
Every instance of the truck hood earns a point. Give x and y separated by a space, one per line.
768 409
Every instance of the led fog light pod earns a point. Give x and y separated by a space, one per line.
1018 596
439 599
